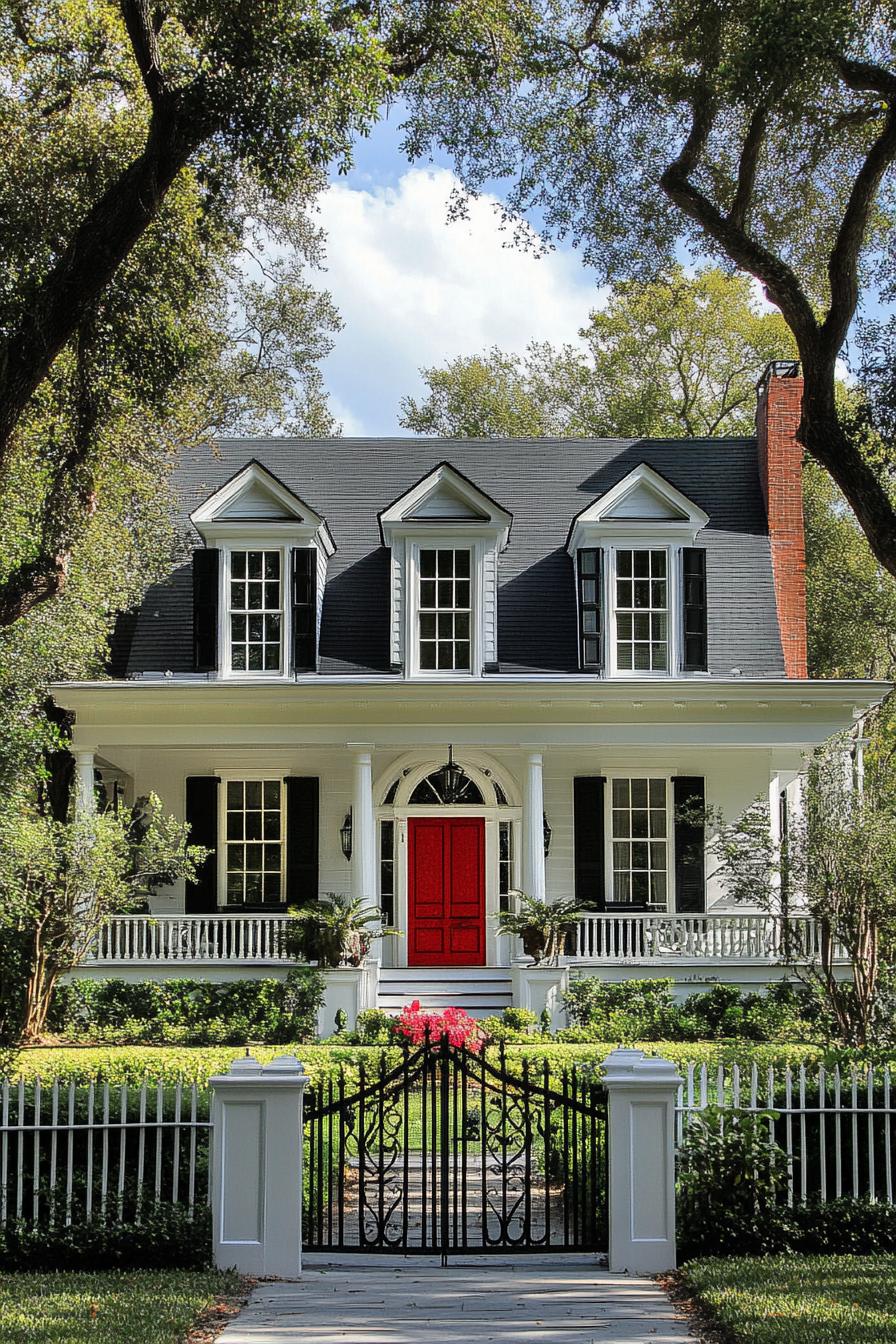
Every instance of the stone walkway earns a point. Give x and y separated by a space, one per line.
522 1299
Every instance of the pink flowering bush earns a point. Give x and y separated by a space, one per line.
460 1028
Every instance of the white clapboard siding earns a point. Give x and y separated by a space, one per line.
71 1153
834 1126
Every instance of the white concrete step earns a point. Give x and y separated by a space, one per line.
481 991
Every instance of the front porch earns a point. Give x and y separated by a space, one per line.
257 941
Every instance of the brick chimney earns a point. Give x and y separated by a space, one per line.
780 395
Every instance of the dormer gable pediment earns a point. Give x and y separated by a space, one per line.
644 504
256 501
445 499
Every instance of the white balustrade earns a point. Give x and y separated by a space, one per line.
190 938
645 938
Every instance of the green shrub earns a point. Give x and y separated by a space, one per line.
189 1012
167 1237
731 1185
514 1025
373 1027
644 1010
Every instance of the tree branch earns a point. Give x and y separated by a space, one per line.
747 167
142 29
779 280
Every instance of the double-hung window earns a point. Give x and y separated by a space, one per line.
255 609
254 841
639 831
444 610
642 610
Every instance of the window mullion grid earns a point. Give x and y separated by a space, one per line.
256 631
639 852
253 842
640 587
444 609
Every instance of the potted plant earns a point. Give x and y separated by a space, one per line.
542 926
335 931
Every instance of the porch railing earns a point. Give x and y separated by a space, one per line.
174 938
722 937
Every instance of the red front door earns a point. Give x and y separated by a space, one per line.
446 891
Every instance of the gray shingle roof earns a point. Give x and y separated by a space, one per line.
544 483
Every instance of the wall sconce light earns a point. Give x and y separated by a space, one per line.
547 833
345 834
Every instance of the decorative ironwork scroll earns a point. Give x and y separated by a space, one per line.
442 1150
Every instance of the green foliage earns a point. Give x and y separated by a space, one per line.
542 926
60 882
167 1237
676 355
791 1299
840 857
514 1024
190 1012
644 1010
337 930
731 1184
151 1307
372 1027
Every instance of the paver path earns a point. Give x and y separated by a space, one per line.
522 1299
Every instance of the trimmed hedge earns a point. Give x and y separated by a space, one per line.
131 1064
644 1010
189 1012
165 1238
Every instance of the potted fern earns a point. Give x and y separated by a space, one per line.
338 932
541 926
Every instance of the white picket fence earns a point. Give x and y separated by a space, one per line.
835 1126
71 1152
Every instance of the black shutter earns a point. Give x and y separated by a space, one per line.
302 838
202 819
588 820
694 583
304 609
205 610
688 793
589 569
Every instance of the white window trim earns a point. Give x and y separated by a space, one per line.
619 907
453 540
241 776
224 643
674 604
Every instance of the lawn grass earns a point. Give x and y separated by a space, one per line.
148 1307
798 1299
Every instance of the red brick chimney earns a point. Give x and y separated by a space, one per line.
780 393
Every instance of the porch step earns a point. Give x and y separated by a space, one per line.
480 990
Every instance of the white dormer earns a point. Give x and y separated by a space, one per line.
642 504
640 584
272 552
445 535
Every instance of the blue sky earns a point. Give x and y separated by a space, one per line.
414 290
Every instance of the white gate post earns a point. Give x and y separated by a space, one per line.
642 1093
256 1167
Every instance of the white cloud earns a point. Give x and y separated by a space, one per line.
414 290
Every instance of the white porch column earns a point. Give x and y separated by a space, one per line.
256 1167
642 1093
85 794
363 826
533 828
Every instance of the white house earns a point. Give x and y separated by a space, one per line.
431 671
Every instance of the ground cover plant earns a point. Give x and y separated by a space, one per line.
153 1307
819 1299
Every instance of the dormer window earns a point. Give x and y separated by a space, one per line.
258 584
445 536
641 582
445 611
256 611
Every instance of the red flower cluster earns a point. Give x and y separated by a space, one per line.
457 1025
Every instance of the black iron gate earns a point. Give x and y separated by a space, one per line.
447 1151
